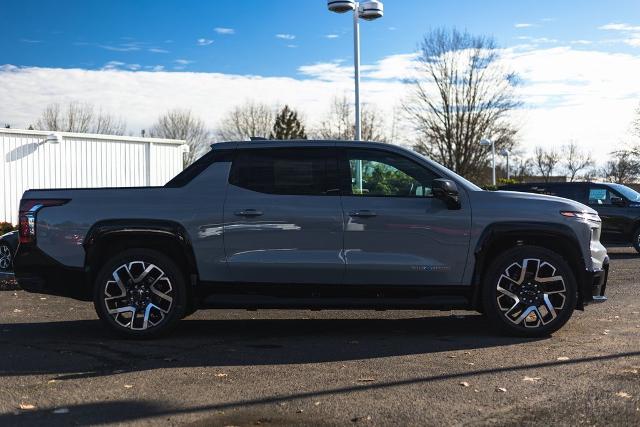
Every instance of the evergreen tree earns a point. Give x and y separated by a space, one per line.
287 125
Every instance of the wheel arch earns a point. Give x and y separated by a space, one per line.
107 238
498 237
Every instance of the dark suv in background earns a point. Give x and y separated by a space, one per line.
617 205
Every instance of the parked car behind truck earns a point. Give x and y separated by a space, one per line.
312 224
617 205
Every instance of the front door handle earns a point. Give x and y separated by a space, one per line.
248 212
364 213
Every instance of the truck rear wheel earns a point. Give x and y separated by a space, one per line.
529 291
140 293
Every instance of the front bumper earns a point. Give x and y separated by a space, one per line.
594 284
37 272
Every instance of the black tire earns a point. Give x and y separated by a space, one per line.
528 315
154 314
6 256
636 240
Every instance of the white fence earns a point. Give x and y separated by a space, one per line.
79 160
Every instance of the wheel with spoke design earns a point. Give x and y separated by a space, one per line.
529 291
140 293
6 256
636 239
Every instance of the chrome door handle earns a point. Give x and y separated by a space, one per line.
248 212
365 213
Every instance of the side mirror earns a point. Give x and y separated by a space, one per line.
447 191
618 201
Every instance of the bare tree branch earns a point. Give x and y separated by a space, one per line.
462 95
339 124
77 117
576 160
182 124
245 121
546 161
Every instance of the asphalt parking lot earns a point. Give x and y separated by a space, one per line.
58 366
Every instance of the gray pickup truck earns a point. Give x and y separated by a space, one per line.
312 225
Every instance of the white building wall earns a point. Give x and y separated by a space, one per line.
80 161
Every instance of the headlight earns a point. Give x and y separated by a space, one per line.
588 216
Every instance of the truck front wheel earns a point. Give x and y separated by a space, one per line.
140 293
529 291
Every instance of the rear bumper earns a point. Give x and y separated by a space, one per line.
36 272
594 284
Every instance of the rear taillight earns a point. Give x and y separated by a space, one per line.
27 216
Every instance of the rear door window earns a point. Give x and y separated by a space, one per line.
286 171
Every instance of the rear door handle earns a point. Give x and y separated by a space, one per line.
248 212
365 213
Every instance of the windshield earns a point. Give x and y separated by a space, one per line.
629 193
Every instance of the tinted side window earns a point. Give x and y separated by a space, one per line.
287 171
573 192
379 173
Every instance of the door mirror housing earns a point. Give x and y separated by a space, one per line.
618 201
447 191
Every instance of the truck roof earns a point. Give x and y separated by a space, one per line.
293 142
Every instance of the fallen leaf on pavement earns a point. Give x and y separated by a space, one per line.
531 379
562 358
221 375
464 384
128 386
51 381
27 406
623 394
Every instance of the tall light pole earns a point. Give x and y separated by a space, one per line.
485 143
369 11
505 152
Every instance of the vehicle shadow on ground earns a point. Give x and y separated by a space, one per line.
251 409
83 348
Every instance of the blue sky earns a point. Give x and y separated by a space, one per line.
182 35
579 60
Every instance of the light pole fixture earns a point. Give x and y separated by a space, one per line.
504 152
368 11
485 142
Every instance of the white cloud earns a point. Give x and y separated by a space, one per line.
619 27
158 50
292 46
569 93
183 61
523 25
204 42
331 36
222 30
30 41
127 47
285 36
581 42
536 40
631 33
